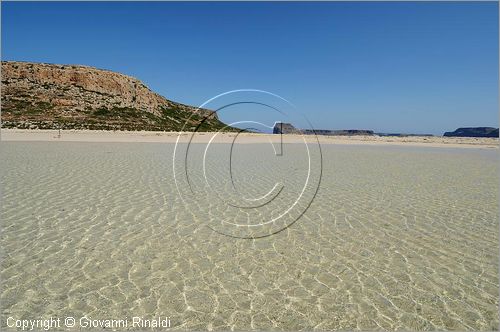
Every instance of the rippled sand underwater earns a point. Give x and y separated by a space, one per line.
396 238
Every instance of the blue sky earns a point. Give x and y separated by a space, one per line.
391 67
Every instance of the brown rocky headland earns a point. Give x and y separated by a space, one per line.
49 96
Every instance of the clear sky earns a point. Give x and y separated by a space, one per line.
391 67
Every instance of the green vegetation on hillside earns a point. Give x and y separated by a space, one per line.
23 114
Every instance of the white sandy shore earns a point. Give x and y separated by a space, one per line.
171 137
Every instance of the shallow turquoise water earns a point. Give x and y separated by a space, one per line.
395 238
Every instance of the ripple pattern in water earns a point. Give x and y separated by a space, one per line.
396 238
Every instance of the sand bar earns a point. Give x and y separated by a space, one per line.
171 137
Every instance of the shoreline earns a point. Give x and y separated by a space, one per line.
38 135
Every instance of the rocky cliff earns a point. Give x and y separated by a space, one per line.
47 96
473 132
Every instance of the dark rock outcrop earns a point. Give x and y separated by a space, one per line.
285 128
47 96
473 132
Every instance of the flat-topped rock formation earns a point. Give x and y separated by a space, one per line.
402 135
48 96
473 132
288 128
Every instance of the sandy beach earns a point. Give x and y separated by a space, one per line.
243 138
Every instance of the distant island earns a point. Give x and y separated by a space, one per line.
473 132
288 128
48 96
